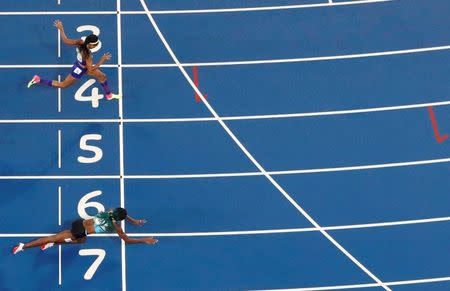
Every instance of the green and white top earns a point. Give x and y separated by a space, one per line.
103 223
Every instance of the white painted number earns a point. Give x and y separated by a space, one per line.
98 153
94 30
83 204
94 97
93 268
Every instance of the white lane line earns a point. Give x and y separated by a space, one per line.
257 232
255 9
235 174
390 223
296 230
339 287
420 281
340 112
59 120
247 62
59 149
232 118
291 172
293 115
225 10
323 58
59 205
59 44
38 66
27 13
365 167
56 177
297 60
370 285
251 158
59 265
59 95
121 143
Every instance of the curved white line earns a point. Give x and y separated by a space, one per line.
37 66
296 230
248 62
368 285
193 11
61 177
235 174
296 60
28 13
230 118
365 167
292 115
291 172
254 9
252 159
111 120
256 232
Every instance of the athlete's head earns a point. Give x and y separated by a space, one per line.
119 214
91 41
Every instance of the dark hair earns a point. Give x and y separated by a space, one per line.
119 214
83 47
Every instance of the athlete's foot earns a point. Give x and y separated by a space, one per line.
111 96
18 248
36 79
47 246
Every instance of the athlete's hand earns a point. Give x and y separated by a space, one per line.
150 240
58 24
140 222
106 57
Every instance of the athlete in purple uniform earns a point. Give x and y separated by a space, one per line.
83 64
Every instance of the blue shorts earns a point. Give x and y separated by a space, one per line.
77 70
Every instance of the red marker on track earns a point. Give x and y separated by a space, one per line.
439 138
197 97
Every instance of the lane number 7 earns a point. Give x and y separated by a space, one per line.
93 268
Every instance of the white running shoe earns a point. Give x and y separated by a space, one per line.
18 248
113 96
36 79
47 246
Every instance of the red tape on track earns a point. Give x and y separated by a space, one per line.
195 72
439 138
